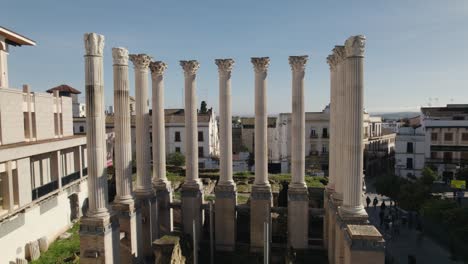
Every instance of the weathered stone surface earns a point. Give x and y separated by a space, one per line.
20 261
32 250
43 244
167 250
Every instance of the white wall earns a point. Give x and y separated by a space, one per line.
11 116
32 224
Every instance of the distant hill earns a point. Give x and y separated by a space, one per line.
396 115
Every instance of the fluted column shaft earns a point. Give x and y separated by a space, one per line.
340 125
159 134
123 144
298 122
331 60
143 182
95 123
225 118
354 95
191 122
261 122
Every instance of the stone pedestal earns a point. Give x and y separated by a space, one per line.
99 240
164 211
147 208
343 218
364 245
192 199
127 214
260 210
332 229
225 217
298 218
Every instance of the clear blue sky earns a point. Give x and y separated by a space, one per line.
416 50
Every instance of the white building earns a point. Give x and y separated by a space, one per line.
446 142
43 183
410 152
208 137
317 134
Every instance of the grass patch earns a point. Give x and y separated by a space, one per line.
63 250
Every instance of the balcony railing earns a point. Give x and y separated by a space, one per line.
70 178
44 190
314 136
325 135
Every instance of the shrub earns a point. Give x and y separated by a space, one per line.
176 159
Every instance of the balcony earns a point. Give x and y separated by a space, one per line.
44 190
325 135
314 136
70 178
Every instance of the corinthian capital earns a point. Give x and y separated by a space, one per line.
355 46
260 64
224 65
298 63
120 56
94 44
331 60
157 68
140 61
339 53
190 67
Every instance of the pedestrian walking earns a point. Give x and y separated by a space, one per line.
381 217
375 202
368 201
383 206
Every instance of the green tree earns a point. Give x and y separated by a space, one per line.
428 176
176 159
203 108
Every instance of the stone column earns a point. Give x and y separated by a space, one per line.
124 202
161 184
261 197
99 233
225 191
354 110
329 189
144 191
298 196
192 195
339 124
341 169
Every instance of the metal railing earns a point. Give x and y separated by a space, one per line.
44 190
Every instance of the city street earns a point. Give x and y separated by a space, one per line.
409 241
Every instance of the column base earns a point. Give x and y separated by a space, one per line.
192 199
363 244
164 211
225 217
260 207
99 240
298 218
127 213
147 208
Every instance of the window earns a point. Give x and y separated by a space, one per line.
200 152
409 163
464 136
447 156
434 136
409 147
448 136
312 133
200 136
324 149
81 129
151 137
177 149
325 132
464 156
177 136
433 155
